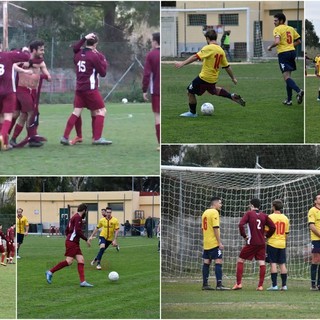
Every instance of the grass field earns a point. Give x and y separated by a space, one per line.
135 295
133 152
186 300
8 291
264 119
312 110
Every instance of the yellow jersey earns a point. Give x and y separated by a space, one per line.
317 61
109 226
213 57
210 220
278 239
287 36
314 218
22 223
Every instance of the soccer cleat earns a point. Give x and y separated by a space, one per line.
275 288
260 288
284 288
13 142
318 99
188 115
49 276
18 257
3 264
35 144
101 141
221 287
85 284
93 262
237 287
64 141
236 98
118 248
314 288
300 97
207 287
287 102
76 140
158 148
98 267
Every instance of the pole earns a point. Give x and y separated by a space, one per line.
5 42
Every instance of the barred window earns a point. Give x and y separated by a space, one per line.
229 19
197 19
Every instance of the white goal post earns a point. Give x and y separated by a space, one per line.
186 193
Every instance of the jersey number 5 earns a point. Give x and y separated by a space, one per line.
289 37
81 66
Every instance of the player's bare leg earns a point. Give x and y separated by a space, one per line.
157 126
192 113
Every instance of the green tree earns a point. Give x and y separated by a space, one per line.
312 40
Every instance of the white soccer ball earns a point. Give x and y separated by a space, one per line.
113 276
207 109
124 100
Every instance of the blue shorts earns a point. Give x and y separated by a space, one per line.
276 255
212 254
315 246
20 237
287 61
103 240
199 87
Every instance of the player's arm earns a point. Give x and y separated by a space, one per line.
230 73
26 229
275 42
45 71
243 221
217 235
77 46
93 233
101 64
313 228
272 228
114 241
191 59
146 79
21 70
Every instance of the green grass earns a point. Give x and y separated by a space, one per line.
263 120
186 300
8 291
133 152
135 295
312 110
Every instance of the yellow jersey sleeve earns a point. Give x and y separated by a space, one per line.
314 218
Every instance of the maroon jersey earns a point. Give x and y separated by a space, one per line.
89 64
256 221
2 237
74 229
10 234
7 74
151 73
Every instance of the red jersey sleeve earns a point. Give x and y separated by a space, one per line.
77 46
242 223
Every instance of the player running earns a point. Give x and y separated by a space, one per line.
213 57
255 247
317 71
10 243
286 39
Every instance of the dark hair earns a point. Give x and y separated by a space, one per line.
277 204
91 42
211 34
108 208
34 45
156 37
315 196
256 202
280 17
213 199
82 207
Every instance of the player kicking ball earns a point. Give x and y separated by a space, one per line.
213 57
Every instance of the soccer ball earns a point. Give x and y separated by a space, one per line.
113 276
124 100
207 109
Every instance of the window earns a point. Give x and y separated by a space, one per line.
197 19
229 19
168 4
116 206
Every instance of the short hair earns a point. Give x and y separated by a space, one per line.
156 37
213 199
82 207
256 202
91 42
211 34
20 209
108 208
34 45
280 17
315 196
277 204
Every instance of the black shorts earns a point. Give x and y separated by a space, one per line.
315 246
287 61
276 255
212 254
20 237
199 87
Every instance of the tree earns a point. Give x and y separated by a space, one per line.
312 40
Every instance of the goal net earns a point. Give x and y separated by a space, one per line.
186 193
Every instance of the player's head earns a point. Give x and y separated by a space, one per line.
108 212
255 203
216 203
19 212
103 212
37 48
279 18
277 205
156 39
83 209
316 199
93 41
13 225
211 35
0 226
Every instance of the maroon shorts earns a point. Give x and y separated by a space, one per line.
8 103
26 99
72 249
155 100
249 252
2 248
91 100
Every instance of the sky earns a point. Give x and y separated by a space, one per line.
312 13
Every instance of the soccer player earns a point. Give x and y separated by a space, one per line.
109 232
213 57
286 39
90 63
314 226
72 244
317 71
151 80
10 243
212 245
255 247
2 250
8 90
22 229
276 246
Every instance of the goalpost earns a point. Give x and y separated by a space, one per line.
186 193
